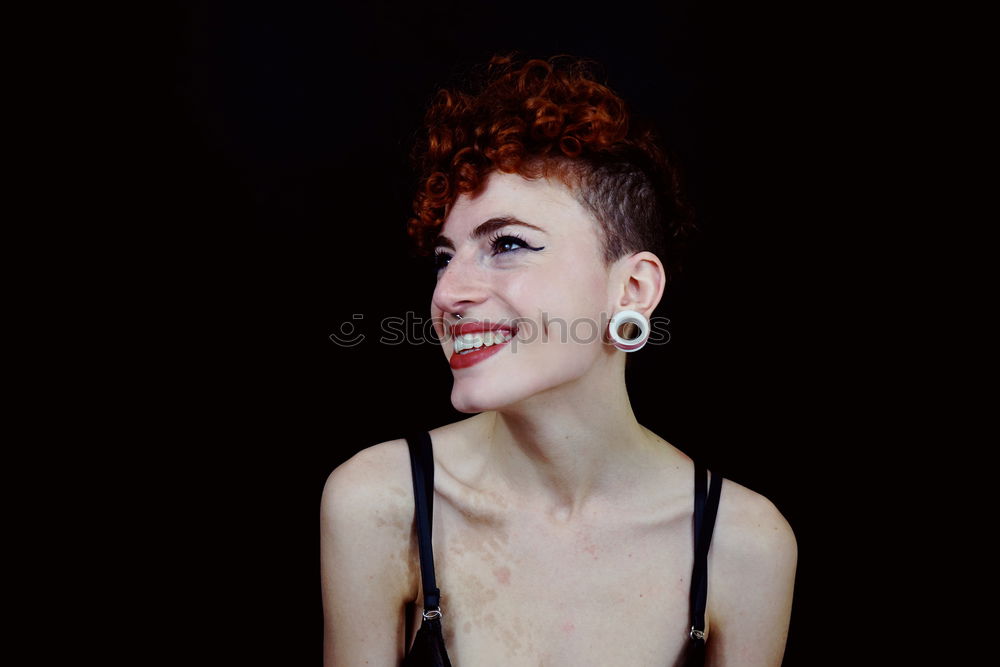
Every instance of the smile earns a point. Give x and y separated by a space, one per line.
468 342
472 348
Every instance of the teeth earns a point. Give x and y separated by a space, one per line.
485 339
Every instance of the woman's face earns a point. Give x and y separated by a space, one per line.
548 280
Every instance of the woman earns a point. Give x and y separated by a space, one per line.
564 532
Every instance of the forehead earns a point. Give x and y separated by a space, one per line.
544 202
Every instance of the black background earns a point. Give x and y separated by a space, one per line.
285 194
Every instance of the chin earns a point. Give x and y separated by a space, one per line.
473 397
475 401
473 394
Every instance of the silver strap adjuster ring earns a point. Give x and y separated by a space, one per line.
433 613
697 634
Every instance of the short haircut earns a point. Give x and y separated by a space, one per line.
552 118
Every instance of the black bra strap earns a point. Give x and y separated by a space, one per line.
704 524
422 467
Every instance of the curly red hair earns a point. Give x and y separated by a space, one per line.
551 118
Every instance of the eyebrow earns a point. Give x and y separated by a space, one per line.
485 229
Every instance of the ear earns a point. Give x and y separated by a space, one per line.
639 281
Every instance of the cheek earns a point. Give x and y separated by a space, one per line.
437 319
565 321
569 297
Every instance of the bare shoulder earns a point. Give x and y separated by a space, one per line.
379 472
750 527
378 482
367 554
752 563
370 494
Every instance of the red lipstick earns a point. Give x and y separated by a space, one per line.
466 359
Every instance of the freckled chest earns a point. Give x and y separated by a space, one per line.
530 592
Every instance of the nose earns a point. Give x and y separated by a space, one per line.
461 286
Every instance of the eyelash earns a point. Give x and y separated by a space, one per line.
495 241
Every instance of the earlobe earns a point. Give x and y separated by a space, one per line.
629 317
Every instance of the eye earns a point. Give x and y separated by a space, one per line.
498 242
441 260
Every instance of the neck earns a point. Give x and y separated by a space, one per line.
569 451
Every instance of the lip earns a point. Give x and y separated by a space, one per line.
459 360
